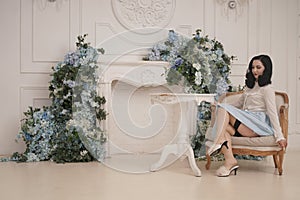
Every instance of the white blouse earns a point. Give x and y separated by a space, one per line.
261 99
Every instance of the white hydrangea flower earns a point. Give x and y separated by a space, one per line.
198 78
208 45
83 153
214 56
94 104
32 157
197 66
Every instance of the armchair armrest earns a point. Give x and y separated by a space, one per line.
283 118
213 114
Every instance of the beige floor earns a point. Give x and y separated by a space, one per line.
82 181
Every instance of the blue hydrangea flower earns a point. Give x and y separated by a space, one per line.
72 59
173 37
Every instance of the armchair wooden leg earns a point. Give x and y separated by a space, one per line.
275 160
280 168
208 162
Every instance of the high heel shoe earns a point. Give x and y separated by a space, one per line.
223 172
216 149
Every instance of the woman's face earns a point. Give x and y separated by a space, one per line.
257 68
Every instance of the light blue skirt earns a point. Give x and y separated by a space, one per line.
259 122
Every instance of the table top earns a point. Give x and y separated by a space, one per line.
179 97
182 94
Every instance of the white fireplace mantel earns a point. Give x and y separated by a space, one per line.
139 73
126 87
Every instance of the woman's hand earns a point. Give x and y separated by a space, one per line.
282 143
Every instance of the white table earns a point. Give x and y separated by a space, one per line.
187 127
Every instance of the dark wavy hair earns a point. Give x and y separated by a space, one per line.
265 78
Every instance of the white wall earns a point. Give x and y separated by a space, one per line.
35 34
10 76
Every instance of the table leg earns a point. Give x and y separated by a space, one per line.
190 154
167 150
182 147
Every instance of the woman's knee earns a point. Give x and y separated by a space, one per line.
247 132
222 112
230 130
232 120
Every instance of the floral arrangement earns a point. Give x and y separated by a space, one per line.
198 64
203 122
169 49
57 132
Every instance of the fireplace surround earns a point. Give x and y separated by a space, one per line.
133 124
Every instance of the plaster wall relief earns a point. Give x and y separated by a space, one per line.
136 14
233 6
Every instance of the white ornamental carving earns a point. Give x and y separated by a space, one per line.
136 14
148 77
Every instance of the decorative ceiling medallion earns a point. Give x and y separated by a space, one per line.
139 14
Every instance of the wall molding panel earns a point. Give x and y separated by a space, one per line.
34 96
47 34
298 66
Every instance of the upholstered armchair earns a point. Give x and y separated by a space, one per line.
257 146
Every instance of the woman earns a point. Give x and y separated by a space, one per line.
254 114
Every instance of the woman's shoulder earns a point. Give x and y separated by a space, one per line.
257 87
268 89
